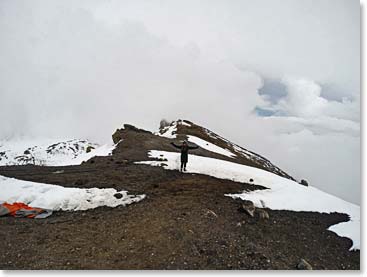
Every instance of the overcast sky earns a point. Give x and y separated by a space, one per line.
279 77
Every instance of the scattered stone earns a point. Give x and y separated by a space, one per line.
248 207
118 195
251 180
304 265
304 183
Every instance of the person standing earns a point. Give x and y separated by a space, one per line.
184 147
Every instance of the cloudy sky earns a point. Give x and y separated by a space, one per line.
279 77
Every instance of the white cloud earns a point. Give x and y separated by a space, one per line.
303 106
81 69
303 99
315 138
73 75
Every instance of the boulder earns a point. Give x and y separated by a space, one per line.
118 195
304 183
248 207
304 265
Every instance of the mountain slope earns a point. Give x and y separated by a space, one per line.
226 160
50 152
186 130
186 220
280 193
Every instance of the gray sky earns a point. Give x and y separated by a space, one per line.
279 77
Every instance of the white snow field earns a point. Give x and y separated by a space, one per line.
56 198
50 152
210 146
282 193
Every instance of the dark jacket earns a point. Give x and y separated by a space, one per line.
184 151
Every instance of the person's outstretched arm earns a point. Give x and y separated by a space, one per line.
178 147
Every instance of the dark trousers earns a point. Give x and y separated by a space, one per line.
183 165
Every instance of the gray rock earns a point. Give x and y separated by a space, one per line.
304 265
251 247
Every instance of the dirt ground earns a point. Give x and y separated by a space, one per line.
185 222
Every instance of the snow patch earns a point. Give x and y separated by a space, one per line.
210 146
282 193
185 123
56 197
